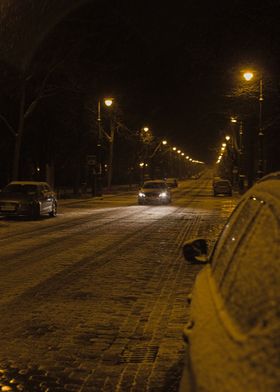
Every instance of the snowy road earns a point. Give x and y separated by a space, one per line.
95 299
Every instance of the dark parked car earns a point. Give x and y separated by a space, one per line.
171 182
233 339
222 186
154 191
28 198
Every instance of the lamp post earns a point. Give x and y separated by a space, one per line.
248 76
98 183
97 170
109 102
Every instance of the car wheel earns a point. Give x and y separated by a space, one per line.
54 210
36 213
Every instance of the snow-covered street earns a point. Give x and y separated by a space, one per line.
96 298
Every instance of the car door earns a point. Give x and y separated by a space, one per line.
250 289
214 337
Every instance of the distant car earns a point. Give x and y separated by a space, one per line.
216 178
172 182
154 191
222 186
28 198
233 341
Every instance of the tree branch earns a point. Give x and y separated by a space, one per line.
11 129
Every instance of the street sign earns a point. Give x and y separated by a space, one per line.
91 160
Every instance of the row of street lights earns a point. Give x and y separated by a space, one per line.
174 155
147 139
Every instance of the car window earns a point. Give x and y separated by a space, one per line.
231 235
251 285
154 185
27 189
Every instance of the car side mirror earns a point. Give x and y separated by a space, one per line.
196 251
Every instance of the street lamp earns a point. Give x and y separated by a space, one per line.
248 76
97 183
108 101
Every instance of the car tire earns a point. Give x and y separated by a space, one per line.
36 212
53 212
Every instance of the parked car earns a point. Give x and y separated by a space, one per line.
171 182
154 191
233 340
29 198
222 186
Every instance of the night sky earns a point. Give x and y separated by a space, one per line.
177 62
171 66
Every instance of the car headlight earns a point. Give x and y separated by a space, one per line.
163 194
141 194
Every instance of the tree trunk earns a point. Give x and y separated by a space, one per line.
111 150
18 137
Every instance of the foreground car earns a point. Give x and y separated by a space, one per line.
154 191
27 198
222 186
233 341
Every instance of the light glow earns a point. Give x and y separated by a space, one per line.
108 102
248 75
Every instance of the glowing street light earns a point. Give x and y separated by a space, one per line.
248 75
108 101
227 138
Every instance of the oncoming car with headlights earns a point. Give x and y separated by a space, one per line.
154 191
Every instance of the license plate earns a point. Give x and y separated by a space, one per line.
8 207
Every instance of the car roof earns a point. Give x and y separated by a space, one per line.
161 181
28 183
269 185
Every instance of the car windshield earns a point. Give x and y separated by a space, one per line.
151 185
26 189
222 183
